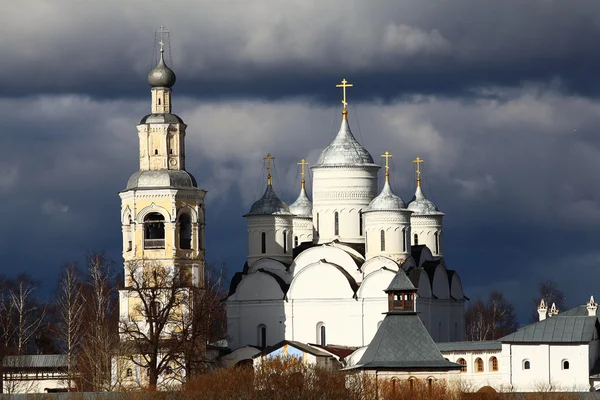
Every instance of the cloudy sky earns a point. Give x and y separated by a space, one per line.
501 99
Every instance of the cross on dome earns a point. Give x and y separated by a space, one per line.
303 163
268 158
418 161
387 155
344 85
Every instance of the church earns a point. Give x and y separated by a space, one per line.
316 270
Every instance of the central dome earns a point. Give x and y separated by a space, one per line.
344 150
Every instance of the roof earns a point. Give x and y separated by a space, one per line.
478 345
162 178
161 75
269 204
300 346
161 119
421 206
416 252
400 282
557 329
403 342
36 361
579 311
345 151
302 207
386 201
339 351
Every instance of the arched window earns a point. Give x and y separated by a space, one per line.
317 222
526 364
494 364
262 335
185 231
411 382
360 223
437 243
462 362
430 383
479 365
295 241
263 242
321 334
336 224
565 364
416 237
159 101
284 242
382 233
404 239
154 231
129 372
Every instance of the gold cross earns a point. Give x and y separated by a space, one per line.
269 158
162 43
418 161
303 163
344 85
387 156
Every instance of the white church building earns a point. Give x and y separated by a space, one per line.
316 271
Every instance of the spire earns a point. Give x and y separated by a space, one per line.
387 155
542 310
418 161
303 163
592 306
268 158
344 85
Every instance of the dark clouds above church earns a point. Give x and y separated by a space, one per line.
499 98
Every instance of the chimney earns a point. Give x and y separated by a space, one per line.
592 306
542 310
553 310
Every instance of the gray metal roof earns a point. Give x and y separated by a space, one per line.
557 329
400 282
403 342
36 361
386 201
421 206
302 207
579 311
269 204
161 75
478 345
161 119
300 346
344 151
162 178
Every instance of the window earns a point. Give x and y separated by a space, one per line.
462 362
479 365
129 373
323 335
155 152
437 243
416 237
262 335
429 383
411 383
404 239
360 223
526 364
336 224
382 240
317 222
494 364
565 364
154 231
263 242
185 231
159 101
284 242
295 241
129 245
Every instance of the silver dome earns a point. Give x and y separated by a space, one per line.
421 206
161 119
161 75
344 150
269 204
386 201
302 207
161 178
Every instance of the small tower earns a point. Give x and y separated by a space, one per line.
426 219
269 225
387 223
302 210
542 310
402 294
553 311
592 307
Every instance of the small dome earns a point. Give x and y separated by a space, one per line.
386 201
344 150
161 119
161 75
161 178
269 204
302 207
421 206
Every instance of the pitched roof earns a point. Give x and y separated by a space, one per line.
402 342
558 329
400 282
300 346
36 361
339 351
479 345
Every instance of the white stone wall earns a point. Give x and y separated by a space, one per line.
303 230
274 228
347 191
471 380
396 228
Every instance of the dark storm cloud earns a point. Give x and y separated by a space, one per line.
271 49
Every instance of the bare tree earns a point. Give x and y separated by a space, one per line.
551 293
29 315
70 304
490 320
